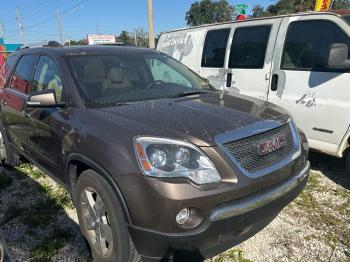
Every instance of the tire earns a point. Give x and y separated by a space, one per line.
102 221
7 154
347 163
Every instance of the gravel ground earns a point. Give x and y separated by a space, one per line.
40 224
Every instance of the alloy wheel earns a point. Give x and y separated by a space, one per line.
96 219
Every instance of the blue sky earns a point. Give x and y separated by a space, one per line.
80 17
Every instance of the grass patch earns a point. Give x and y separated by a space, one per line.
5 180
30 170
43 212
58 194
50 245
324 219
11 213
232 255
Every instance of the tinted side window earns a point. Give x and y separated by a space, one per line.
215 48
307 44
347 19
6 69
248 47
47 76
22 78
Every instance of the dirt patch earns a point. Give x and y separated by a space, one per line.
40 223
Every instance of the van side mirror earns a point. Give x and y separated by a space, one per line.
45 98
338 56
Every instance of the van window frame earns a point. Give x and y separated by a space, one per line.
269 26
323 70
229 29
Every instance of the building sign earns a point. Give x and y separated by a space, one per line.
6 49
96 39
323 5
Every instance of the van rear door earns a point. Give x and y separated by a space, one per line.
249 62
316 95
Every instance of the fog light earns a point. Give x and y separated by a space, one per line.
183 216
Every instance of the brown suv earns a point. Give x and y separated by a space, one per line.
158 163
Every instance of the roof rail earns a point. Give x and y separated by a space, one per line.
42 44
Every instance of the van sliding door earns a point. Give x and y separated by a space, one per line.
249 61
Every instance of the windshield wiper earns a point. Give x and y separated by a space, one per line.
183 94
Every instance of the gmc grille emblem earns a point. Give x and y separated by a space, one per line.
272 145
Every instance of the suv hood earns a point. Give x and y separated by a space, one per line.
197 118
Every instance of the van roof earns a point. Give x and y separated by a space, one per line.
338 13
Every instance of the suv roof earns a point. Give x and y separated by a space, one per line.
85 49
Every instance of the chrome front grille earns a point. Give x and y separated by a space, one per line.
247 153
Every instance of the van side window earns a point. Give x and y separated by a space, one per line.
248 47
307 45
22 77
47 76
215 48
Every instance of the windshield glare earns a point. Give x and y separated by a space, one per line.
109 79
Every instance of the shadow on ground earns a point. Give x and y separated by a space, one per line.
36 219
332 167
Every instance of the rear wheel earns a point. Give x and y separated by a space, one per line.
102 221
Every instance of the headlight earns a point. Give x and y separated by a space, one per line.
161 157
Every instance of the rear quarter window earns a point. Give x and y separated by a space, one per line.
6 69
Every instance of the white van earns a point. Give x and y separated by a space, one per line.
300 62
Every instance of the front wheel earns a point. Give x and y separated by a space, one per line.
102 220
347 163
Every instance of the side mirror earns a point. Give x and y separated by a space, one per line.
45 98
338 56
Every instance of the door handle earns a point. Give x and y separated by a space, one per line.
274 82
229 80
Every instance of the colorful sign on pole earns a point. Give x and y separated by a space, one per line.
323 5
241 9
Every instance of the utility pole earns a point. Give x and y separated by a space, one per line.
20 25
97 28
135 36
59 21
150 25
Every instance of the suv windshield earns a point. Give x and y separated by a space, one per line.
106 80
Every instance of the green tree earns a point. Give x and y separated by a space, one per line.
283 7
209 11
341 4
259 11
124 36
77 42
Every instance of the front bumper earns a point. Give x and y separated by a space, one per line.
229 224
